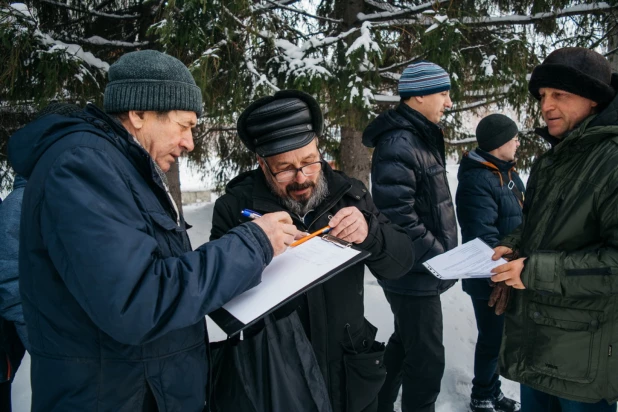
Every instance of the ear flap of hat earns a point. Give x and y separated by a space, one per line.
276 124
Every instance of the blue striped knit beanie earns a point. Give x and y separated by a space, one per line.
422 79
149 80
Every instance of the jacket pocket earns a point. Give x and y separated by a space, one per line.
167 234
564 343
364 370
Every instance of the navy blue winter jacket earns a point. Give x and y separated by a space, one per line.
10 300
13 334
409 185
487 205
113 297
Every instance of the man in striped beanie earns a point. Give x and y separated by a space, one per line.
409 186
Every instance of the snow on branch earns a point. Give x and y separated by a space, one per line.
297 61
522 19
409 10
304 13
73 50
100 41
262 79
364 41
92 11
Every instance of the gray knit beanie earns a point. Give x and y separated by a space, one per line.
151 81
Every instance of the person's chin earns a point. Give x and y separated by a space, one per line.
301 195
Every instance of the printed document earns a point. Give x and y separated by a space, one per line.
470 260
287 274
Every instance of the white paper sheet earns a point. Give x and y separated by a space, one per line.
287 274
470 260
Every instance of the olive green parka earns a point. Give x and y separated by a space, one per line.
561 332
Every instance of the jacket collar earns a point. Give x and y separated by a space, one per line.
429 132
491 161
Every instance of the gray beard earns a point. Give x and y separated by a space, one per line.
301 208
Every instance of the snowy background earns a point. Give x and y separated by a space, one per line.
459 323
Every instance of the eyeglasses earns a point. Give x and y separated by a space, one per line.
290 174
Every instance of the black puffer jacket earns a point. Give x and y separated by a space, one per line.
488 205
410 187
333 312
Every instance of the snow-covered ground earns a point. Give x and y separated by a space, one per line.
459 327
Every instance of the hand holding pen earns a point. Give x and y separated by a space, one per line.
278 227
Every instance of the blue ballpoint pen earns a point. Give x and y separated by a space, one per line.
250 214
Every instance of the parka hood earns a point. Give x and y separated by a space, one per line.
403 117
477 159
27 145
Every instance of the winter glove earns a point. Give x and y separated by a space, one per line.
500 296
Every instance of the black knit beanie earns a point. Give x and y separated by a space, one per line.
575 70
287 121
495 130
151 81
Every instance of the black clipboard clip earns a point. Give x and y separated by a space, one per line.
336 241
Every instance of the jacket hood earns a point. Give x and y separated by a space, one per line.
27 145
403 117
477 159
609 115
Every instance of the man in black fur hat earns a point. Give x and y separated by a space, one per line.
560 330
292 176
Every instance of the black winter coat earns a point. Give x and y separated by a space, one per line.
113 297
332 313
488 206
410 187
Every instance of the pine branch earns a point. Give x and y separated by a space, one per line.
409 10
304 13
100 41
93 12
519 19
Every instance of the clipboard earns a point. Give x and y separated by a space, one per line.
288 276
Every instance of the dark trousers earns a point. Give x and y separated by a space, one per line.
5 396
537 401
414 356
486 382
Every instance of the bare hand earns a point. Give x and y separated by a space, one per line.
279 229
501 251
510 273
350 225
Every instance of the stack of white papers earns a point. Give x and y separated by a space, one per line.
470 260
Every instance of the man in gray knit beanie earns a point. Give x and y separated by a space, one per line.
113 294
156 99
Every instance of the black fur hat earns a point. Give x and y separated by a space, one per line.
277 124
576 70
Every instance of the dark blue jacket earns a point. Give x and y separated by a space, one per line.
10 300
410 187
13 334
114 298
487 205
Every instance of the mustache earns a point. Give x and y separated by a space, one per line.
298 186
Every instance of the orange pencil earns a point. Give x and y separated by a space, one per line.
325 229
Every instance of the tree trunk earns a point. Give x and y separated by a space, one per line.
173 180
355 157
